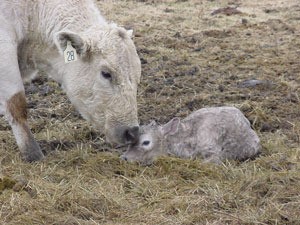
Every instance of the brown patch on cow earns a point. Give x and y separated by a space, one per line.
17 107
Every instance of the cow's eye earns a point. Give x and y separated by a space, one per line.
106 75
146 143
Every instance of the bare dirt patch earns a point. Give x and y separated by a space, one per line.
247 57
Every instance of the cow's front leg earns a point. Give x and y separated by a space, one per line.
13 102
16 114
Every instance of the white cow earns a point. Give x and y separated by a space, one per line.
43 35
215 134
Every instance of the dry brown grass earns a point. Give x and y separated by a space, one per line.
191 59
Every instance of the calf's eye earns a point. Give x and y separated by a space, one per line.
106 75
146 143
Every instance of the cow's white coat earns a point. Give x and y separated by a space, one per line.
33 36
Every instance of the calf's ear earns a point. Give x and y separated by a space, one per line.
171 127
152 123
62 37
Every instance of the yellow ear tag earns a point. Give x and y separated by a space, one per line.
70 53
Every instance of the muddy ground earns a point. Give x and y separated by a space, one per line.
194 54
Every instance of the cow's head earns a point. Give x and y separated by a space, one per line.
102 83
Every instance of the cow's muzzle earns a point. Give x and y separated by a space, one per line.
124 135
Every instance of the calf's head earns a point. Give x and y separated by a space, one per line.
102 83
150 143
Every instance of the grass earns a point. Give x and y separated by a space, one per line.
191 59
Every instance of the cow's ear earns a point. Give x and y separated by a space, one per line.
171 127
62 37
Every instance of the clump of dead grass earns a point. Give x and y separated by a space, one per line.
85 188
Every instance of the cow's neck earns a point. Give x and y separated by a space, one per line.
47 20
76 16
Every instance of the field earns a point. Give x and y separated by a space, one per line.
194 54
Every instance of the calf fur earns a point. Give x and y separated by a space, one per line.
215 134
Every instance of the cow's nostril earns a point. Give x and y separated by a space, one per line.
131 134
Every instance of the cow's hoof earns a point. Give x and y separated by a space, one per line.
32 152
34 156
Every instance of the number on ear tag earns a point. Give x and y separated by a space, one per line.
70 53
